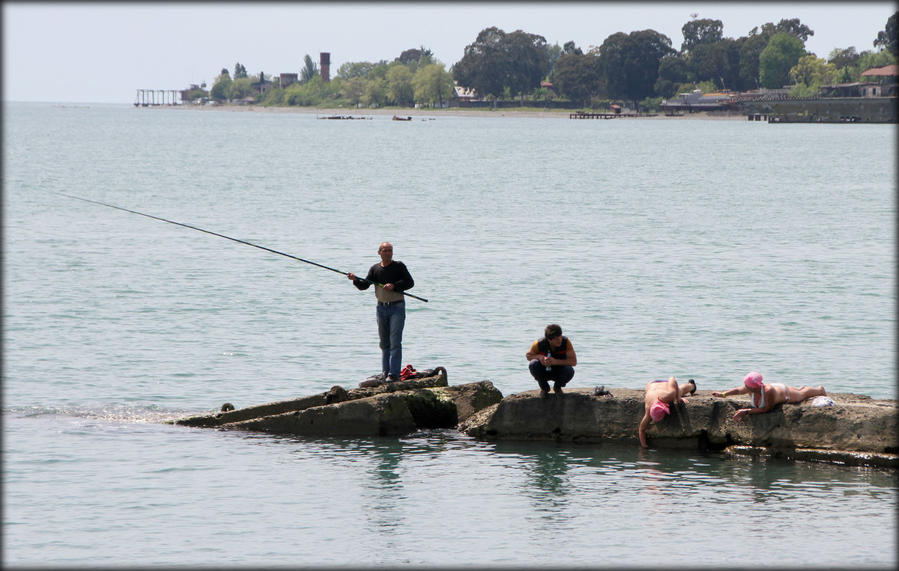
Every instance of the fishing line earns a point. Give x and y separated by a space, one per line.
198 229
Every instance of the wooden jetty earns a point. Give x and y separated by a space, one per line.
584 115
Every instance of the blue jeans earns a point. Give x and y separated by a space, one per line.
560 374
391 319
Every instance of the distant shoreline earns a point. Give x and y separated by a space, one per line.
451 112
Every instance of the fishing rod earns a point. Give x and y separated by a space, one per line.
233 240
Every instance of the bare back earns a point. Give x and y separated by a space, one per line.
665 391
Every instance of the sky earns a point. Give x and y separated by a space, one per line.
104 52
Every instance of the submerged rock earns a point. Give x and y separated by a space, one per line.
334 395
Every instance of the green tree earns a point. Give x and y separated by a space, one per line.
239 71
432 84
843 58
792 27
221 88
483 62
194 94
701 32
415 58
813 71
529 61
553 53
629 63
571 48
309 70
399 85
886 39
354 89
375 92
240 88
757 40
577 77
778 58
496 62
750 50
844 75
355 69
718 62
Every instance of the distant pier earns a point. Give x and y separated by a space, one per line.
584 115
155 97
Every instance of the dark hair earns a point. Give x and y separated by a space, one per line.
552 331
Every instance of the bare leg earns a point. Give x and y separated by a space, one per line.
803 393
687 388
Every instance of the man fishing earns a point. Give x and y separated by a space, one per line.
391 278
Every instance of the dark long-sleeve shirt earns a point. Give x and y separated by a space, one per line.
396 273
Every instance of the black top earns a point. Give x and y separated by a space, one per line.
395 273
560 352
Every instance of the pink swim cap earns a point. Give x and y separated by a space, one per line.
658 411
753 380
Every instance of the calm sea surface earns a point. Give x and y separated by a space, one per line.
696 248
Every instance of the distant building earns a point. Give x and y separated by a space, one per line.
857 89
696 100
185 93
885 77
288 79
888 71
464 93
325 66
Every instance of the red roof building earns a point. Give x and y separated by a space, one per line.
885 71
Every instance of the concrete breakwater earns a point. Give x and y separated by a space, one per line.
824 109
855 430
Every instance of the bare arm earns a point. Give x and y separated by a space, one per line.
533 353
737 391
641 430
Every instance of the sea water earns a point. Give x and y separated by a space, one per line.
696 248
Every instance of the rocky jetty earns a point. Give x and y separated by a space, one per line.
855 430
389 409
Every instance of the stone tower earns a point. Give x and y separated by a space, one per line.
325 65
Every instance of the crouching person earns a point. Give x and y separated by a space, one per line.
552 359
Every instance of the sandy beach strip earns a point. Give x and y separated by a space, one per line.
450 112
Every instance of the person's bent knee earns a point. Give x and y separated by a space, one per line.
538 371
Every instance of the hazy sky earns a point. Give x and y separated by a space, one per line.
104 52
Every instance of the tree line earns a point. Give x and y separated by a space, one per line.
640 67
